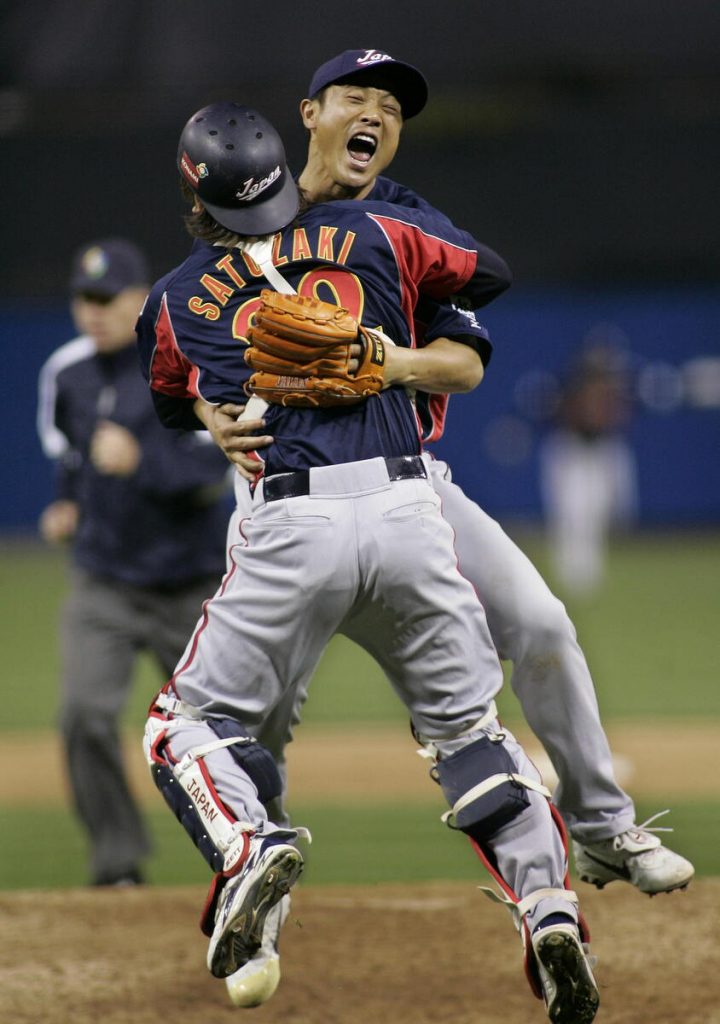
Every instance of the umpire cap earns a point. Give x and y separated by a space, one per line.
374 68
108 267
234 160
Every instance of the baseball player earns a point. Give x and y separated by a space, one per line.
346 534
588 474
145 510
354 112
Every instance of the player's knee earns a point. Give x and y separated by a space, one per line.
252 756
544 629
480 783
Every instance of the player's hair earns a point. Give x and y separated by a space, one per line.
201 224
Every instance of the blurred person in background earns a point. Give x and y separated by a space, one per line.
145 513
588 473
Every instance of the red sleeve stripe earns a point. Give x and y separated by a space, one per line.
439 266
437 407
171 372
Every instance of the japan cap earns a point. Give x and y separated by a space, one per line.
374 68
107 268
234 160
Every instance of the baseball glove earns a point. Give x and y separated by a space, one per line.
300 352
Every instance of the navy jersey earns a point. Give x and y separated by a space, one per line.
165 524
456 320
372 258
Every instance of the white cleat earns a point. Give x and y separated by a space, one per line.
271 869
569 989
635 856
255 982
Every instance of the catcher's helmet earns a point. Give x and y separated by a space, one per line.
233 158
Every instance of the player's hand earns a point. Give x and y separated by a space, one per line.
236 439
356 352
114 450
59 521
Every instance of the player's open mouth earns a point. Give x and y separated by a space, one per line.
362 148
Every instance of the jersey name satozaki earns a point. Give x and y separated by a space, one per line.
373 258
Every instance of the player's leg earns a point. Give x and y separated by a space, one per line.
258 636
419 634
215 778
577 498
257 980
552 681
99 636
497 798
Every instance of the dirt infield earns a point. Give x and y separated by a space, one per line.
432 953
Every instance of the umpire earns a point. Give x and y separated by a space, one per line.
145 511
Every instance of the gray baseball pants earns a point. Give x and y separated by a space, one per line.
550 676
374 559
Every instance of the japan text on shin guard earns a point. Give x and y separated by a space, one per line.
188 788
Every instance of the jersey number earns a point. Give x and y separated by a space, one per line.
338 286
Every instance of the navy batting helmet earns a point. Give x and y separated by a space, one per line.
234 160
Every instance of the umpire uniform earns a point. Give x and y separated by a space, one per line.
148 549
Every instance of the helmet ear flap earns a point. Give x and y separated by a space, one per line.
234 161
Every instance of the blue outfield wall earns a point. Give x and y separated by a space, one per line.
492 436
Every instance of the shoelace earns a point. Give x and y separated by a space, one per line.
644 827
654 817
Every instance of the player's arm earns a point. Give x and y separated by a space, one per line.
442 367
443 322
440 260
492 275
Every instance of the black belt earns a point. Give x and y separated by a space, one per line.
294 485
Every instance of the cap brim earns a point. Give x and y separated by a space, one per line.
411 90
405 82
263 217
89 287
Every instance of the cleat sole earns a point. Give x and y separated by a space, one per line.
576 998
244 936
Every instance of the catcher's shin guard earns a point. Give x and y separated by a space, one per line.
480 780
187 784
188 790
486 791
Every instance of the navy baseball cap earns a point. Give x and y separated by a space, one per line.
108 267
374 68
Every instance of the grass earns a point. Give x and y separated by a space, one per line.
351 845
650 635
